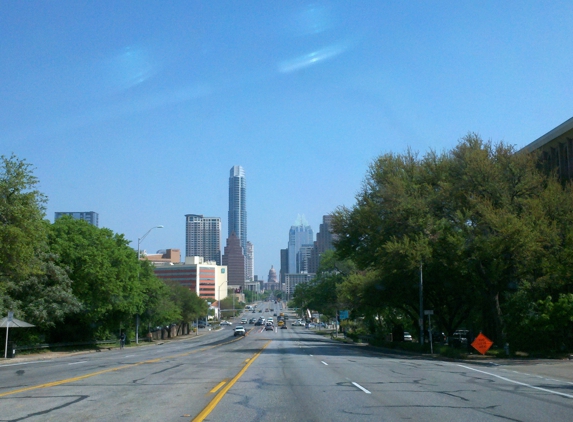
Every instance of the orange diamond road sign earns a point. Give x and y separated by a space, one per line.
482 343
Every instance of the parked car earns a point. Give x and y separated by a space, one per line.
239 331
407 336
226 323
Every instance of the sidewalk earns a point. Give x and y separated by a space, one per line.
34 357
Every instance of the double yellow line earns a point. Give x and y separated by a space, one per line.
93 374
211 406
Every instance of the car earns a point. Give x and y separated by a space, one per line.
407 336
254 311
275 314
281 323
252 320
284 327
244 321
269 327
239 331
226 323
259 323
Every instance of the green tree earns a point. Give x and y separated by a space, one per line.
32 284
22 231
104 270
468 217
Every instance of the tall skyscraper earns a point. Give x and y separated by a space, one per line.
89 216
234 259
250 261
299 234
238 205
203 237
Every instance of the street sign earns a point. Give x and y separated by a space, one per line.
428 312
482 344
343 314
10 316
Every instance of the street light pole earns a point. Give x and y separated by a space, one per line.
139 240
421 321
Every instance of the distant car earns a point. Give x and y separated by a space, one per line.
254 311
244 321
407 336
258 323
284 327
239 331
202 325
252 320
226 323
269 327
275 314
260 311
281 323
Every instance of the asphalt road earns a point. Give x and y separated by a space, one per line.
281 375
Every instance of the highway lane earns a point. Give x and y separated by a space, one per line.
277 375
301 376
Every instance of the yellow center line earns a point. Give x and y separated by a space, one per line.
119 368
211 406
214 390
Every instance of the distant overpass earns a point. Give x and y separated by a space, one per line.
556 149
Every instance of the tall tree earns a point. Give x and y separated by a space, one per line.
22 232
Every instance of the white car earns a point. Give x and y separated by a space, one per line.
239 331
244 321
226 323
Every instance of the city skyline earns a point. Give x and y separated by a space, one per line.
143 124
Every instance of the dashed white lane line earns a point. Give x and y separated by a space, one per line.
362 388
75 363
324 362
519 383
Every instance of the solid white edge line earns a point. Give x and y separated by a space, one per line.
520 383
75 363
324 362
362 388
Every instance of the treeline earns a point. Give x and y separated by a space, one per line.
489 231
72 280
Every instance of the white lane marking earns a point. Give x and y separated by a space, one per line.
324 362
25 363
129 356
519 383
75 363
362 388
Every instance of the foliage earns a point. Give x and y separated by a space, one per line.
32 284
105 274
480 222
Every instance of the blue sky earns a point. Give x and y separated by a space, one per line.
138 109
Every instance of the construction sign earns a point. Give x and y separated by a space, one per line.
482 343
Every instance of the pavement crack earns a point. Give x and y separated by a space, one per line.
45 412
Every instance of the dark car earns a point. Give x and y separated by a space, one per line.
283 327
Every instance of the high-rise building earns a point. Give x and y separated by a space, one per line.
323 243
250 261
89 216
238 205
299 234
234 259
203 237
303 259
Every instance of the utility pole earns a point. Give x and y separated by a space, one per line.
421 321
